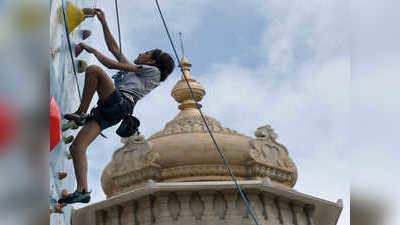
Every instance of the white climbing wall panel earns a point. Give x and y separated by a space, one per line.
63 87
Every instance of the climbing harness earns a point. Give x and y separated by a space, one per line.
71 54
205 122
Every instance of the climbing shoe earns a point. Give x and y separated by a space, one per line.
82 197
78 118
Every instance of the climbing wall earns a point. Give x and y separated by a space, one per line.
63 86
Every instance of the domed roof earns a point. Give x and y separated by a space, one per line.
184 150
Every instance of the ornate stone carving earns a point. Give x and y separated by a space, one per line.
192 124
197 206
208 197
220 206
266 132
150 159
128 216
144 213
266 150
241 207
174 206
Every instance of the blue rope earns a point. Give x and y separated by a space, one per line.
119 32
70 50
205 122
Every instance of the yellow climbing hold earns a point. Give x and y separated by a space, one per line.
69 125
68 139
75 15
81 66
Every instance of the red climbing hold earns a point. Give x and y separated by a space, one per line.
55 124
85 34
78 50
8 125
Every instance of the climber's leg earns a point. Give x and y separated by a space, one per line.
78 151
96 79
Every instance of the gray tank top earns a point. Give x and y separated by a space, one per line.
135 85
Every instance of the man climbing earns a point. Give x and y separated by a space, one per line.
116 99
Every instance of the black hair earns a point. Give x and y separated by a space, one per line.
164 62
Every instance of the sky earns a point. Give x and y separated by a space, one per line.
283 63
304 67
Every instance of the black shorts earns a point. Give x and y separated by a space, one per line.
112 110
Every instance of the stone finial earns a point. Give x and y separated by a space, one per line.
266 132
181 92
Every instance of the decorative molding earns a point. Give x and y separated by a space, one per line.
193 124
120 183
197 206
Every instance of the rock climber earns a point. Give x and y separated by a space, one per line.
116 99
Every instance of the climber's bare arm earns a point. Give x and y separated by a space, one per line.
109 63
110 40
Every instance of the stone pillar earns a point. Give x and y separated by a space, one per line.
174 207
256 206
185 216
101 217
231 215
310 211
286 212
241 210
196 206
209 215
144 213
128 214
160 212
219 205
114 213
299 214
271 210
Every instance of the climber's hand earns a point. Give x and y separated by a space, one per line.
86 47
100 15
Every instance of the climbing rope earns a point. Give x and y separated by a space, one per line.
119 32
72 56
205 122
70 50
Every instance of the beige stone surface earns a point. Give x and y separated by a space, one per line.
209 203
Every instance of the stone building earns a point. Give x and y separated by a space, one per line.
176 176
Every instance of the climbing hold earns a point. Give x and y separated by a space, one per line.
55 124
64 193
69 125
50 211
85 34
74 15
68 139
53 201
58 208
62 175
54 52
69 156
80 66
8 125
78 49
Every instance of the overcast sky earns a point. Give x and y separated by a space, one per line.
285 63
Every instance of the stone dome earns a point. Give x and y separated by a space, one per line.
184 151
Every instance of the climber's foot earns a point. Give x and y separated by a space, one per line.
78 117
82 197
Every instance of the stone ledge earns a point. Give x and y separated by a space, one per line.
326 212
